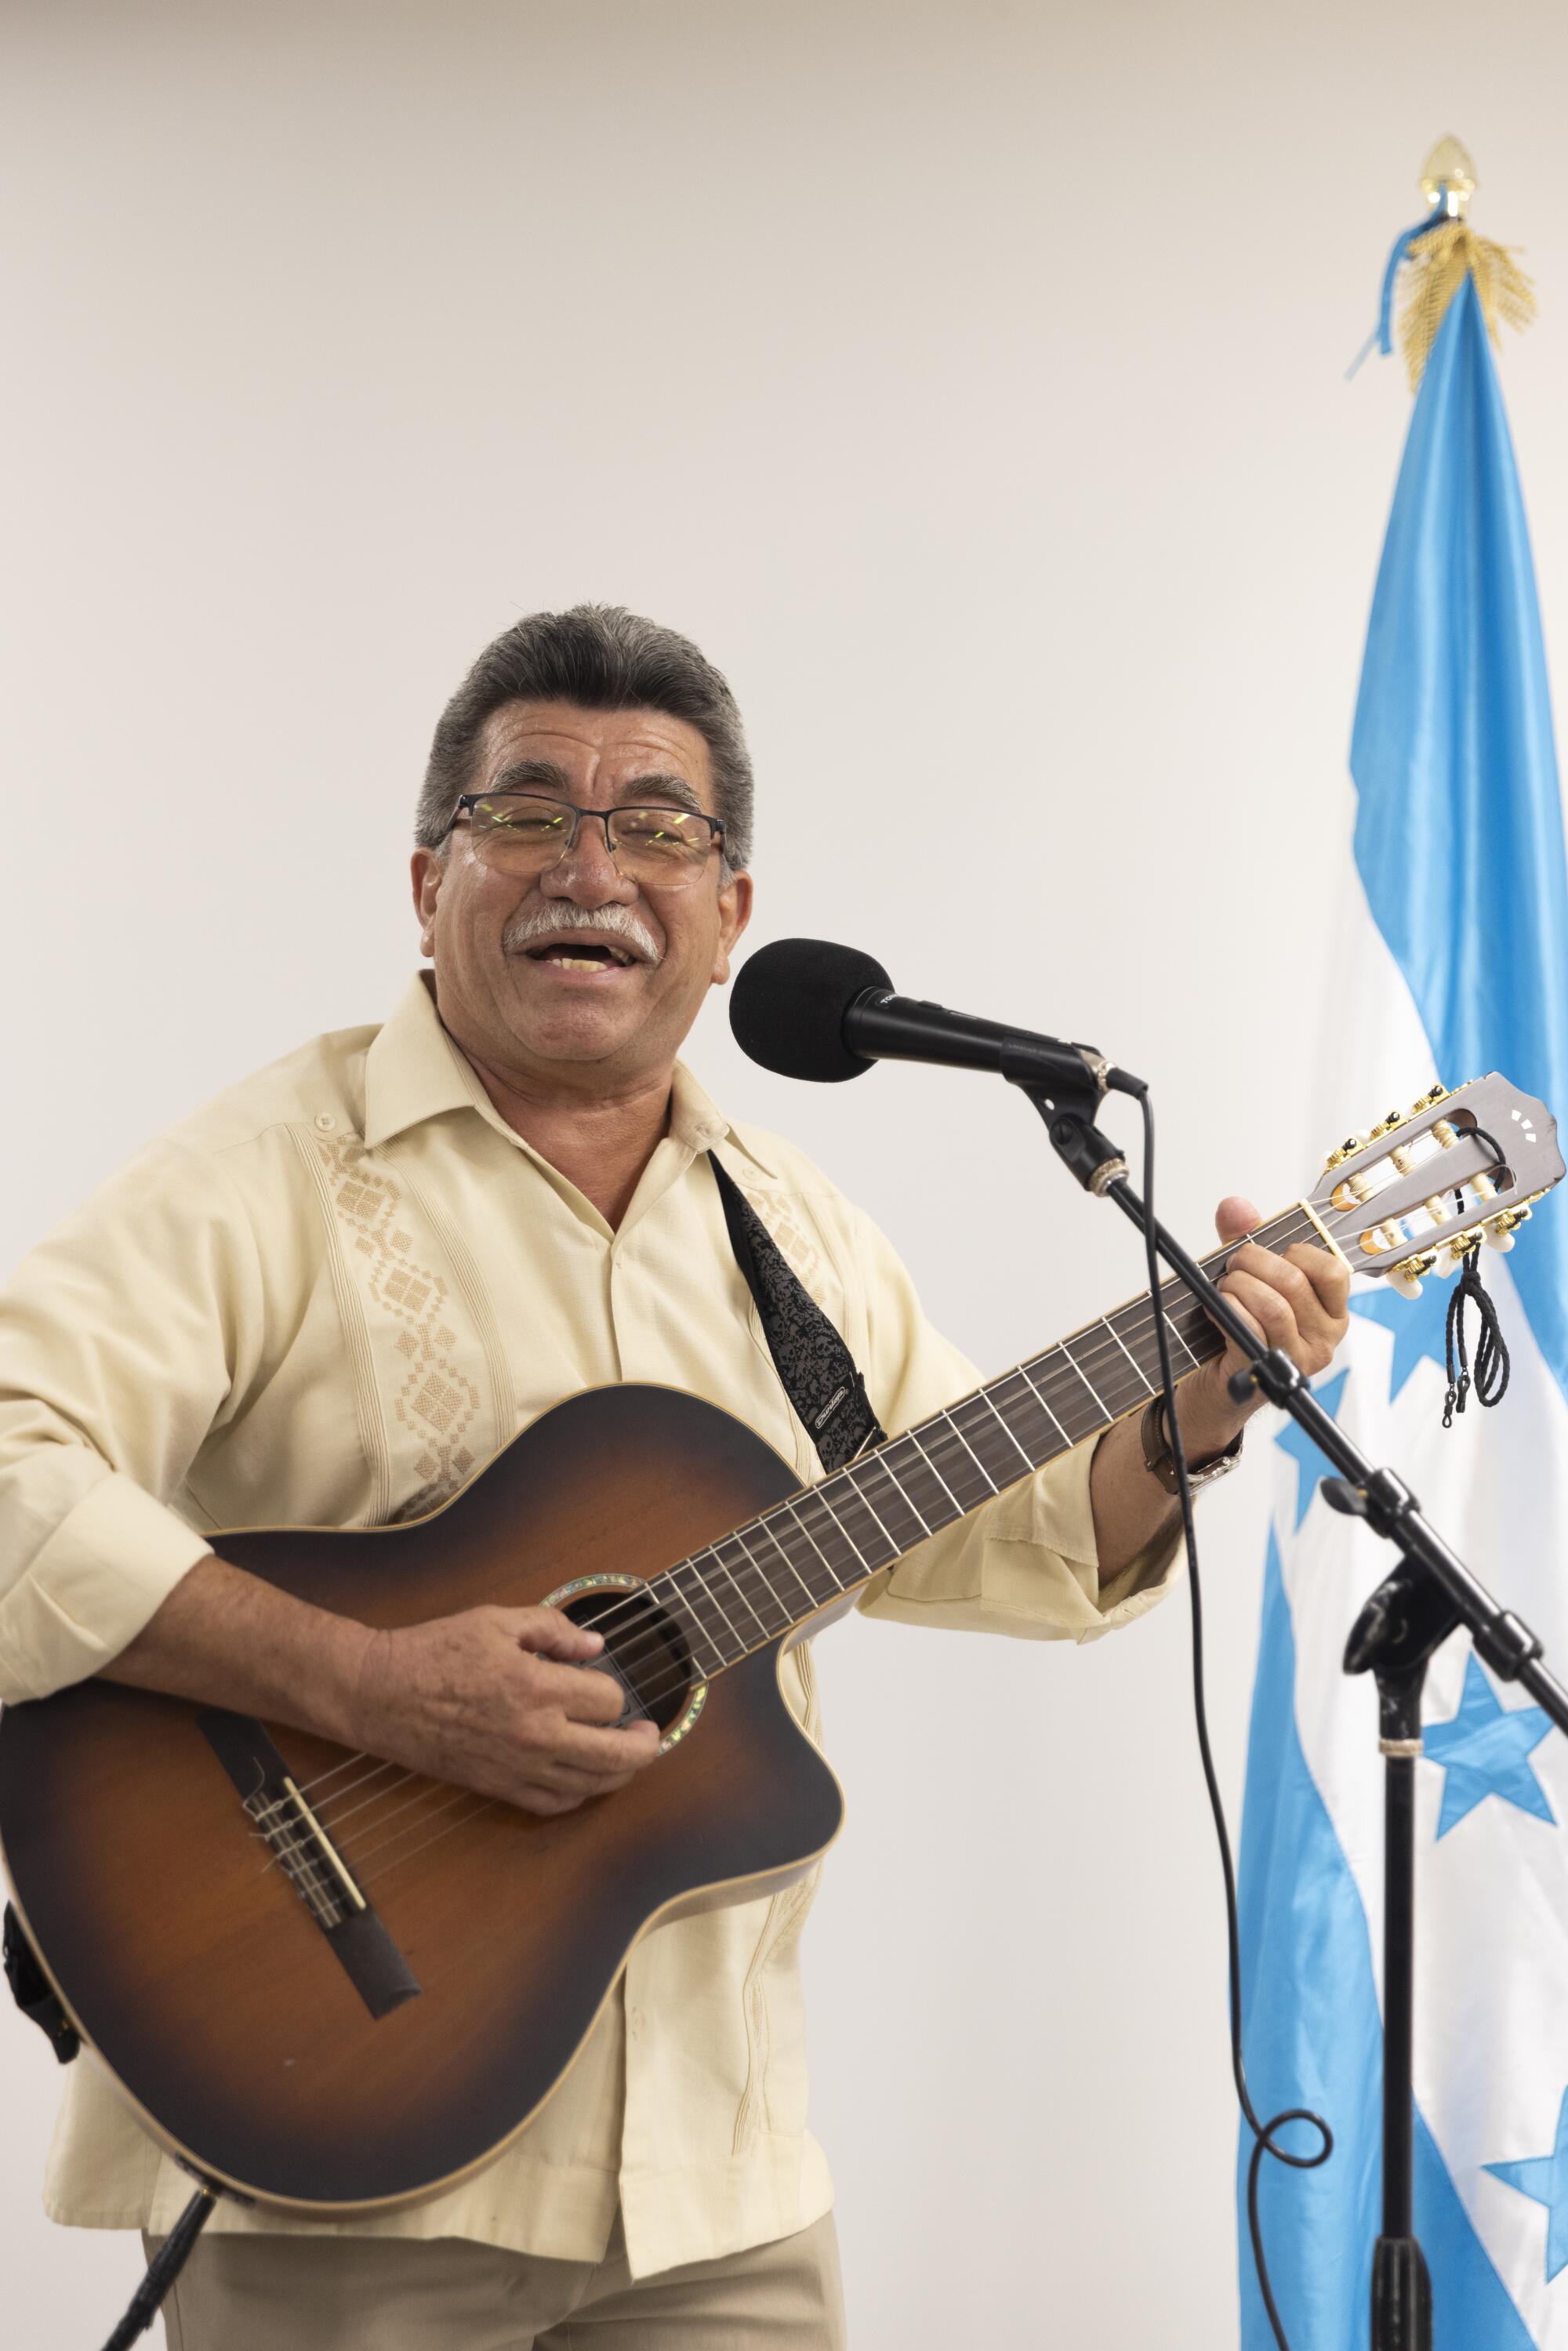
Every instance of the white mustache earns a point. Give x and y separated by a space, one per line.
614 922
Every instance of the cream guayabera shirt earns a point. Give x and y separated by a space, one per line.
328 1299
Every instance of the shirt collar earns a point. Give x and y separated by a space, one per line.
415 1071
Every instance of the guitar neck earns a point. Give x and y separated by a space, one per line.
831 1539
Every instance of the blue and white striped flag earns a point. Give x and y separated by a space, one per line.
1455 962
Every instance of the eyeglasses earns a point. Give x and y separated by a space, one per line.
525 832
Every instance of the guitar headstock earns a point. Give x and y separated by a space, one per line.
1425 1186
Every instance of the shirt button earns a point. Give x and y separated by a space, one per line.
325 1121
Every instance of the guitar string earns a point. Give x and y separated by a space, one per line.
1098 1340
1101 1346
1061 1350
656 1640
653 1638
485 1805
335 1811
681 1678
1139 1326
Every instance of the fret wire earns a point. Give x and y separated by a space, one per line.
816 1546
762 1575
879 1461
1042 1446
736 1584
965 1461
763 1578
1088 1382
812 1598
717 1602
959 1511
969 1450
676 1594
914 1460
829 1538
843 1483
944 1428
1006 1432
821 1493
847 1474
1108 1398
1131 1357
1051 1368
1046 1408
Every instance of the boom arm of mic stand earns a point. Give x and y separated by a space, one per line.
1508 1645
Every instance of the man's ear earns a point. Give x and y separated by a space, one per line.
426 874
734 913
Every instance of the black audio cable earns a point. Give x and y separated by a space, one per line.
1265 2135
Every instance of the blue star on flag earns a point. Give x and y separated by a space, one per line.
1482 1751
1419 1325
1544 2177
1309 1462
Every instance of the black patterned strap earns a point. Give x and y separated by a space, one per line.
818 1373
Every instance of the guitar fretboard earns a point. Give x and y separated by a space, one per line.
749 1587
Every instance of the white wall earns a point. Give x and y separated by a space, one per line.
967 379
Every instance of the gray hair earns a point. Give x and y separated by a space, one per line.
602 658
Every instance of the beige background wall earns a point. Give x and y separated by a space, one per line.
968 380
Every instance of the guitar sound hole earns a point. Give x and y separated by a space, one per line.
645 1649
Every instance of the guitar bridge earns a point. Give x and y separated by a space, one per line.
310 1860
355 1933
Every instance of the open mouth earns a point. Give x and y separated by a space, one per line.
581 955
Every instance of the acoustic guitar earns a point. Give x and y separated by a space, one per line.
336 1987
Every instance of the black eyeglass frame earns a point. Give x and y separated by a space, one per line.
468 801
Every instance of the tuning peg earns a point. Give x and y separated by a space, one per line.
1499 1234
1433 1096
1501 1241
1406 1276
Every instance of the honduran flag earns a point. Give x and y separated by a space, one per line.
1453 962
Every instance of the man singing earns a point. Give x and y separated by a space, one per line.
329 1297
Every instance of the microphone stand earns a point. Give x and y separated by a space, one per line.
1427 1593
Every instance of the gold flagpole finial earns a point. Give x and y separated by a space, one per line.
1448 177
1440 255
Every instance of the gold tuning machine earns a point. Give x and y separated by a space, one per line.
1499 1233
1395 1119
1406 1276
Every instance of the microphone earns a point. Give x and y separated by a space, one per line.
807 1008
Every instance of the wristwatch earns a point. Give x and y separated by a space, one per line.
1158 1458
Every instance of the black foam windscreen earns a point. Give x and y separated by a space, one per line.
787 1006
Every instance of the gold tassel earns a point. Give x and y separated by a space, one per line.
1434 271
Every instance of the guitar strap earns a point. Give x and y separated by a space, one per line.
33 1992
817 1370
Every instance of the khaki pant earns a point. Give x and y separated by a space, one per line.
266 2293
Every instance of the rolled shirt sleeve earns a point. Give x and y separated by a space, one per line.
121 1340
1025 1564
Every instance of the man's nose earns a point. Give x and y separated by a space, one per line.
587 873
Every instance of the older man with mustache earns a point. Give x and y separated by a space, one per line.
329 1298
